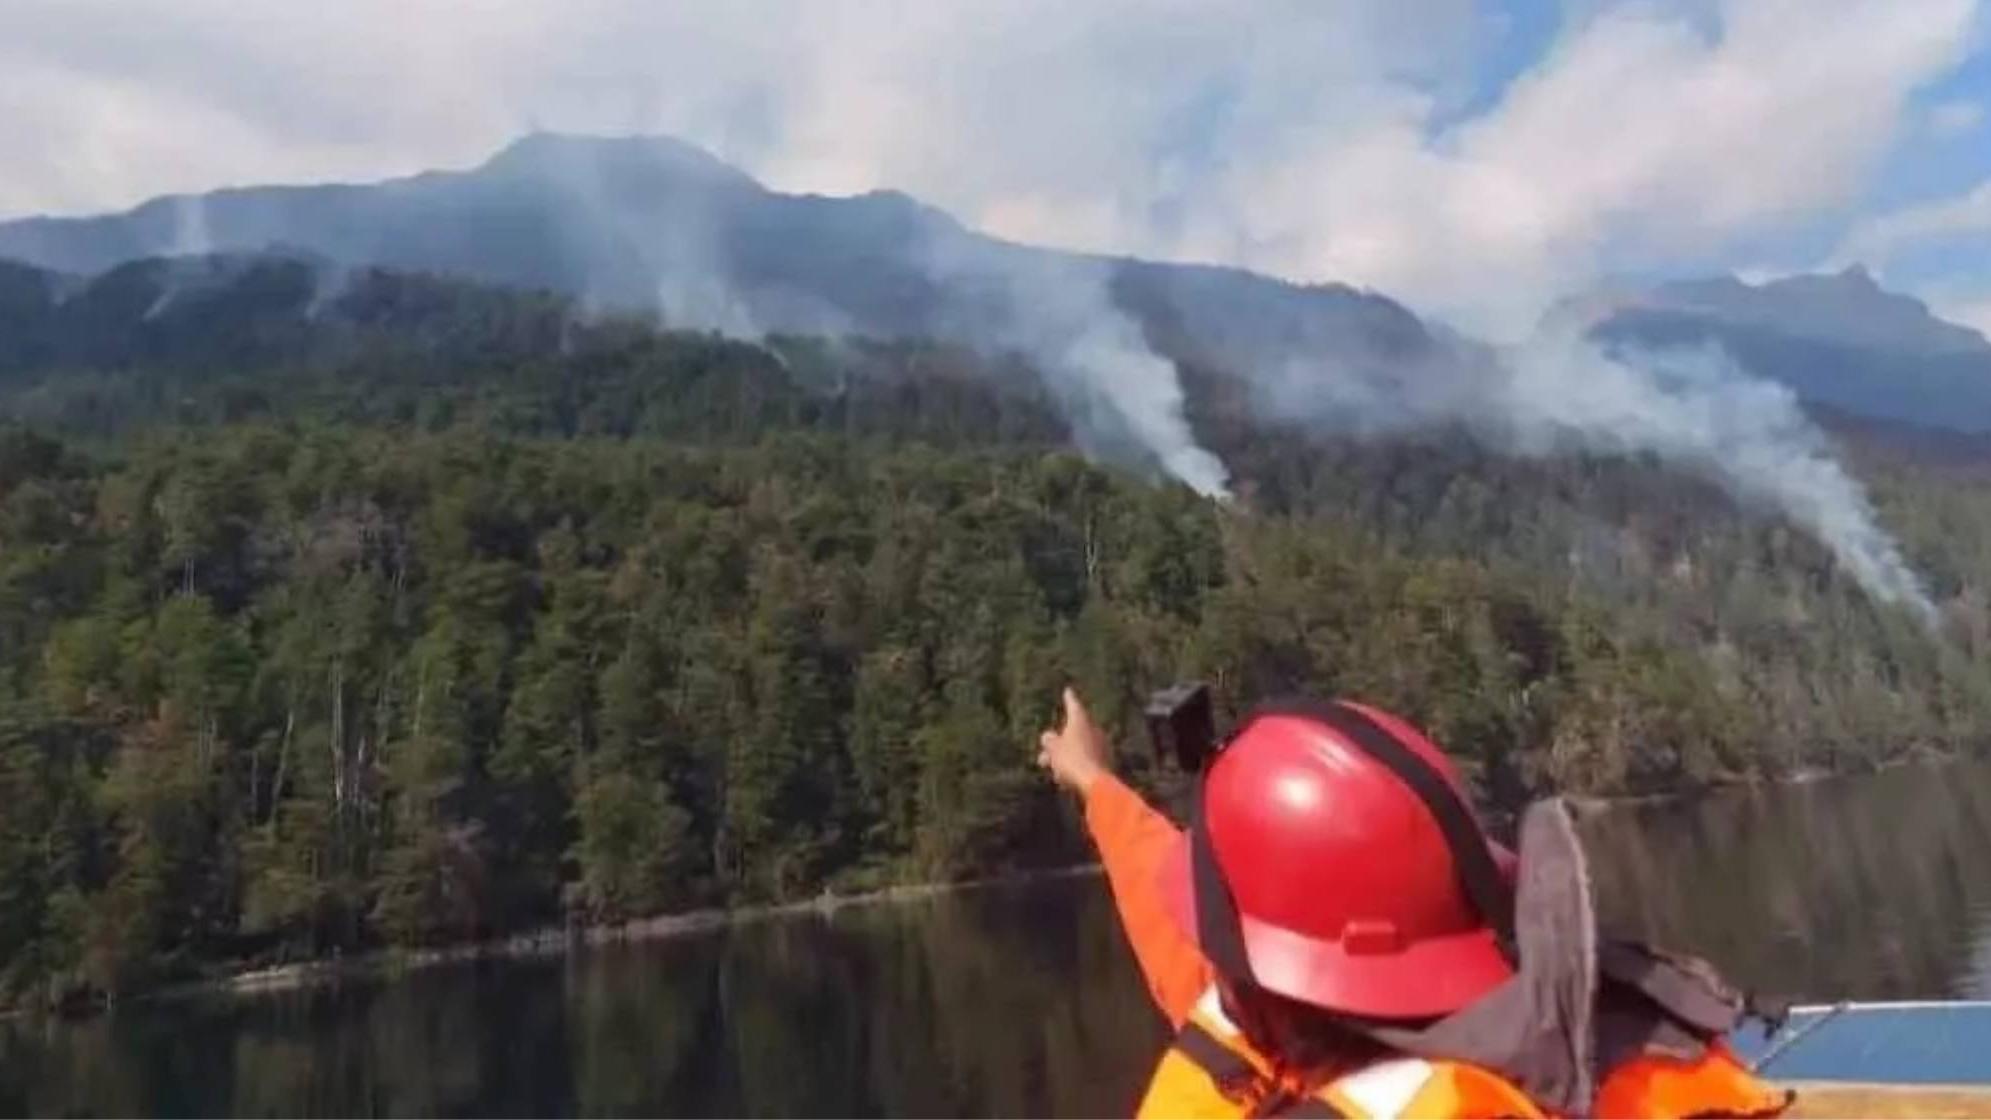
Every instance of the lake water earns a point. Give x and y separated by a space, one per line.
1007 1001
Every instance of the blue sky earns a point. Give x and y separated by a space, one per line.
1946 158
1951 152
1940 151
1478 160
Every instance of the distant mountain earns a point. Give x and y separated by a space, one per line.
1839 340
656 224
659 226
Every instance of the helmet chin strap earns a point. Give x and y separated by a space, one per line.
1218 929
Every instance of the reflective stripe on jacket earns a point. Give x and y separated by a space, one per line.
1212 1071
1133 839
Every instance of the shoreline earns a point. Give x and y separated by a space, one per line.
549 941
1584 806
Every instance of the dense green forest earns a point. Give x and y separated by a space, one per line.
444 613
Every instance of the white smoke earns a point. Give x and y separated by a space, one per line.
190 236
1116 392
187 238
691 299
330 281
1560 391
1122 400
1119 396
1698 409
1108 357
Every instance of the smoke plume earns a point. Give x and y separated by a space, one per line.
658 224
700 262
1560 391
1696 408
1122 399
187 242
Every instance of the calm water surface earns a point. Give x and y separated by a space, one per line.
1001 1002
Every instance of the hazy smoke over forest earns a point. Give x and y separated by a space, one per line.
1557 391
1698 409
1115 392
1560 391
668 233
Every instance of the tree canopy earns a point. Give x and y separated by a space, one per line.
485 619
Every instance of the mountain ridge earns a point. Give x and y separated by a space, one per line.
1804 303
658 224
1839 340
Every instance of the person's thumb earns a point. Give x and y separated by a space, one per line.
1075 715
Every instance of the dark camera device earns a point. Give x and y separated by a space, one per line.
1181 725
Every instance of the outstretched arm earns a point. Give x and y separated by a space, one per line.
1133 840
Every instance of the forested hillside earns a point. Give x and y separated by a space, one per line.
437 612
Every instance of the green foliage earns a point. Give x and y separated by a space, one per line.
633 851
444 640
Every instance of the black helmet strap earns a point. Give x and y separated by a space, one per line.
1218 931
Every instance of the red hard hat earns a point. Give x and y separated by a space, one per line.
1341 858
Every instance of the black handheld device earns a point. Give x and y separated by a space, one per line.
1182 726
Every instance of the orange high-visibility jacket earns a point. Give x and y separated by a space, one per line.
1213 1071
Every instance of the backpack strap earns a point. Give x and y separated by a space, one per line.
1227 1069
1687 988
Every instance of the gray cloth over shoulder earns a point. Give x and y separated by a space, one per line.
1575 1008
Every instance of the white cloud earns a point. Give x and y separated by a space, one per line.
1298 139
1876 239
1967 306
982 102
102 105
1637 140
1951 119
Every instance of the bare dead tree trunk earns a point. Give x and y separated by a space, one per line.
400 579
255 775
338 746
421 700
283 755
380 741
1091 555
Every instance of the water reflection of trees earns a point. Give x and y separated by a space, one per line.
1004 1002
485 1041
1861 888
1000 1003
1014 1002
